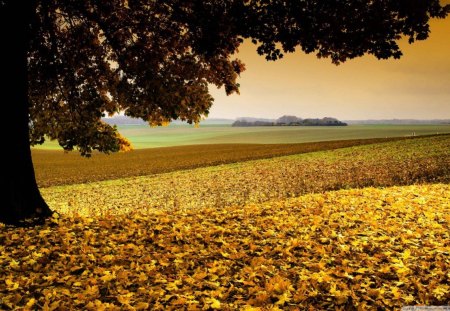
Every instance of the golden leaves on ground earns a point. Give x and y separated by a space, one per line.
227 237
350 249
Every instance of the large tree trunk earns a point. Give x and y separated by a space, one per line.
20 198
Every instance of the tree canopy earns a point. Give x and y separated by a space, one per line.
155 59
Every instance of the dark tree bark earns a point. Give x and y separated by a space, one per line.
20 197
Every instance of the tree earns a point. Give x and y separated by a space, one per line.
68 63
288 120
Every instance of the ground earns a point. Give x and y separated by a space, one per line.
363 227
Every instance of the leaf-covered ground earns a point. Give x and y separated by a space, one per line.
359 248
245 236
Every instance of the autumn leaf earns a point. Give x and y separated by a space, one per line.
214 303
371 247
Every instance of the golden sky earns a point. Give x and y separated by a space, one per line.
416 86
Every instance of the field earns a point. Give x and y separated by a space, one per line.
362 227
53 167
142 136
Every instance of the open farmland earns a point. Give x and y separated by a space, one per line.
146 137
420 160
264 234
53 167
142 136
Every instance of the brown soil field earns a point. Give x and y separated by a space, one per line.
59 168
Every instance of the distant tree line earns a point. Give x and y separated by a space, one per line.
290 121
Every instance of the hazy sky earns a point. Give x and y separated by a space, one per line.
416 86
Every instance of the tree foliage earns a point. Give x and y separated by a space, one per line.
290 121
155 59
342 30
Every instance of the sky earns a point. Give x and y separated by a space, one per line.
415 87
